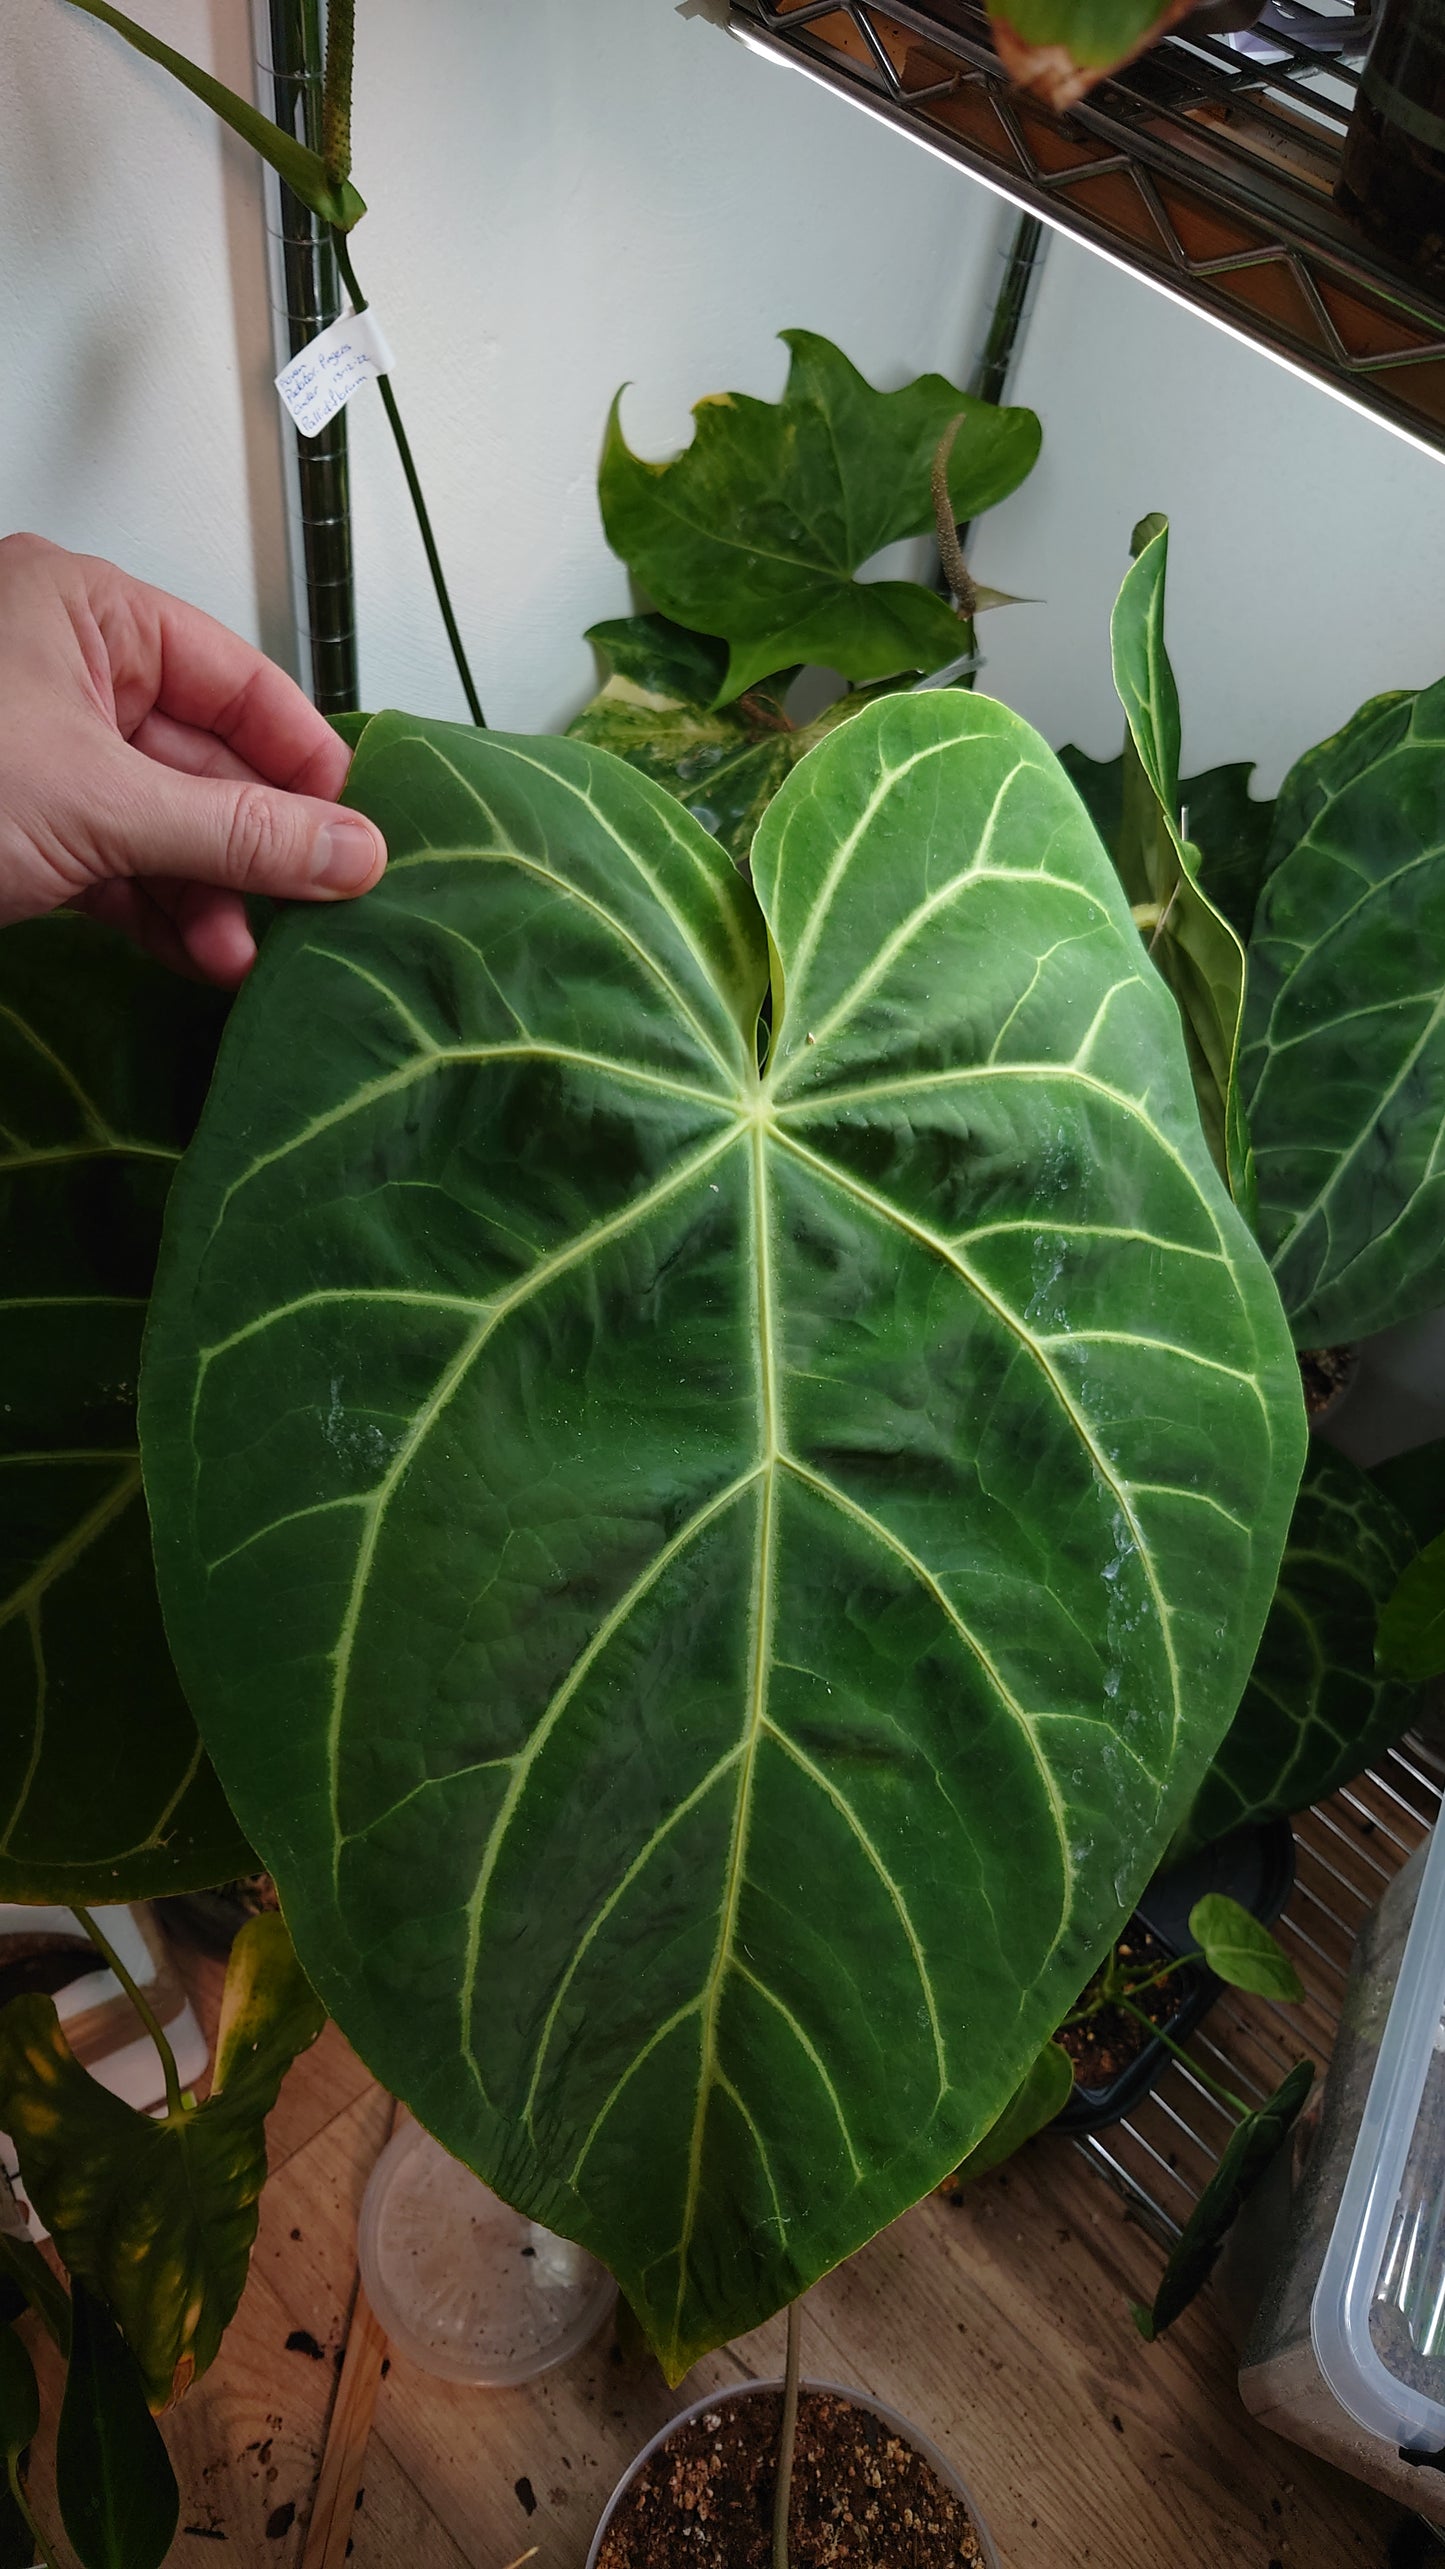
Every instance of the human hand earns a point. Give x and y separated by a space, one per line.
154 768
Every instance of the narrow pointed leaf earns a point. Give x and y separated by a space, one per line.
104 1058
1412 1626
1229 827
1253 2143
1192 943
736 1574
1042 2093
1317 1708
113 2479
757 530
157 2214
659 711
303 170
1239 1950
1344 1055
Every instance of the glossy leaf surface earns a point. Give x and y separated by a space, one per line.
1240 1950
1192 943
1043 2092
1344 1056
756 531
104 1058
1316 1709
1252 2145
658 709
303 170
113 2479
711 1590
157 2214
1412 1626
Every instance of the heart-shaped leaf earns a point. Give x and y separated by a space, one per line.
104 1059
1191 942
117 2492
1253 2143
1412 1626
157 2215
1240 1950
1316 1709
659 711
1344 1055
304 171
756 531
711 1587
1043 2092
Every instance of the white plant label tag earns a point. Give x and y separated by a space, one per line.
331 367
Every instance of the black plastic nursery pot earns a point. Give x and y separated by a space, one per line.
702 2490
1253 1866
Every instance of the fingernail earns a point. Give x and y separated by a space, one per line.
344 856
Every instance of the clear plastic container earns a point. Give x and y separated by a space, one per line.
937 2462
1347 2353
463 2284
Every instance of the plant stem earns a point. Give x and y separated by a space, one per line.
787 2435
1216 2087
17 2491
175 2101
434 565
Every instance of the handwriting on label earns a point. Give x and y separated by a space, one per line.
321 379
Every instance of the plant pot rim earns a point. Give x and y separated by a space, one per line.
921 2443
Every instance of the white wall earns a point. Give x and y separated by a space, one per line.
1307 553
562 195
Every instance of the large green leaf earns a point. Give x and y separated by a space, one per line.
104 1059
157 2214
1193 944
1316 1709
1062 48
1042 2092
117 2492
756 530
1344 1055
709 1589
658 709
304 171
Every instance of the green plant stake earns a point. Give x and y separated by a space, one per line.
685 1460
118 2497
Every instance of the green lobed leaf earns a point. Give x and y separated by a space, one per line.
157 2214
1192 943
1317 1709
1344 1054
711 1589
1239 1949
303 170
1412 1624
658 710
113 2479
104 1057
1252 2145
1043 2092
756 530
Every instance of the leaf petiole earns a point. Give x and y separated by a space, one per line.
175 2100
1216 2088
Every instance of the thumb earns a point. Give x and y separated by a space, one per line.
248 836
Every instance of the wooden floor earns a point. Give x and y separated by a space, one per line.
1001 2327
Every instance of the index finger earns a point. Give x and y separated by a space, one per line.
203 675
